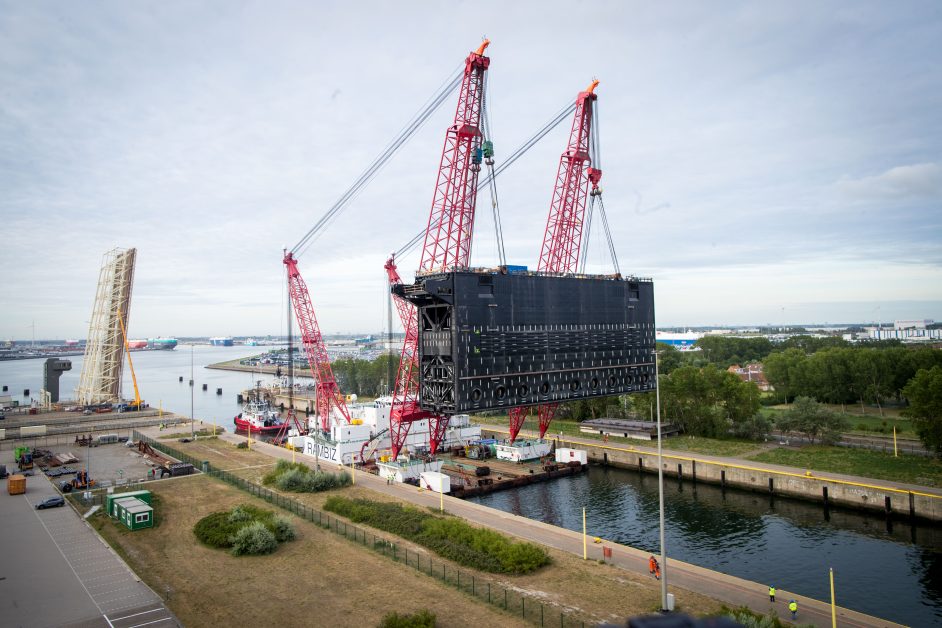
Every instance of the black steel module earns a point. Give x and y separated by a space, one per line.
491 340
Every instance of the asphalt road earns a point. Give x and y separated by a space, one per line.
56 571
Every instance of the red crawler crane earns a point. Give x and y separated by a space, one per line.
327 392
563 236
447 242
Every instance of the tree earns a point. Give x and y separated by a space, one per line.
669 357
924 393
785 370
814 420
707 401
724 351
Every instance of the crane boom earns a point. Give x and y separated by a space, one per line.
328 394
127 351
447 241
562 239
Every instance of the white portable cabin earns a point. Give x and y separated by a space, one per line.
565 455
435 481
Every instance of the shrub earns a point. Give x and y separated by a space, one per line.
253 538
451 538
239 514
282 529
423 619
221 529
242 445
296 477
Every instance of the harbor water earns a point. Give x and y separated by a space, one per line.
158 378
891 570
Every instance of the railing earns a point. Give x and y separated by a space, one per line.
485 589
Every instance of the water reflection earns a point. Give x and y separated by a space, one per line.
777 540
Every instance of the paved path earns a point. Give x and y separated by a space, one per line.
681 576
56 570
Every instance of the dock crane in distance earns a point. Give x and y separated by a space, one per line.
136 404
563 236
447 242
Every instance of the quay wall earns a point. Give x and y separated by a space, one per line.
866 495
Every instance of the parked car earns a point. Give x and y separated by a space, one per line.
51 502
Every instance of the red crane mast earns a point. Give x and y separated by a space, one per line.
447 242
562 239
328 394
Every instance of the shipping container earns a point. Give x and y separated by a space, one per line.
16 484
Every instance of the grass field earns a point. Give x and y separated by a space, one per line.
171 556
859 462
868 422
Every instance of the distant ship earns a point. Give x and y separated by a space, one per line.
221 341
685 341
137 344
162 343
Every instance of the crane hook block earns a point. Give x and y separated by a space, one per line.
488 149
477 157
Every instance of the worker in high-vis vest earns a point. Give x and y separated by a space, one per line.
793 607
771 593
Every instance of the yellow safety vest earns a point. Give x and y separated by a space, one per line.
793 607
772 591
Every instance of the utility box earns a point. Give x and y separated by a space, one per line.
566 455
493 340
435 481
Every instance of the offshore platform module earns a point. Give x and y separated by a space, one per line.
492 339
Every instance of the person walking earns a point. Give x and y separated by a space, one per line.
652 564
772 593
793 607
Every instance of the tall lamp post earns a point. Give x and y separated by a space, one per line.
192 386
660 485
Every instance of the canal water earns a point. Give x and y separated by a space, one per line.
892 570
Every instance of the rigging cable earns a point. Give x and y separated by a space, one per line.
416 122
521 150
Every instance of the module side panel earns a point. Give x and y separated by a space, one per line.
497 341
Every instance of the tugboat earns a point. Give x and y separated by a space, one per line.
258 416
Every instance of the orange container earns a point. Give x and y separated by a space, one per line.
16 484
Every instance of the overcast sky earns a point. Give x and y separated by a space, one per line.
763 162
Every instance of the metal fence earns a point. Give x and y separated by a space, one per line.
482 588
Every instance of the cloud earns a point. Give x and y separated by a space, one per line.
916 181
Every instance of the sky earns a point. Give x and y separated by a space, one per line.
774 162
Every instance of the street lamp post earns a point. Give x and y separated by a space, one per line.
192 386
660 485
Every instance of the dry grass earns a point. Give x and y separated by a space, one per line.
319 579
590 589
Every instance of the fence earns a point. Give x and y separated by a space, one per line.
484 589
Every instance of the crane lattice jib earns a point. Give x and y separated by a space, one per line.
328 393
562 239
447 242
563 236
